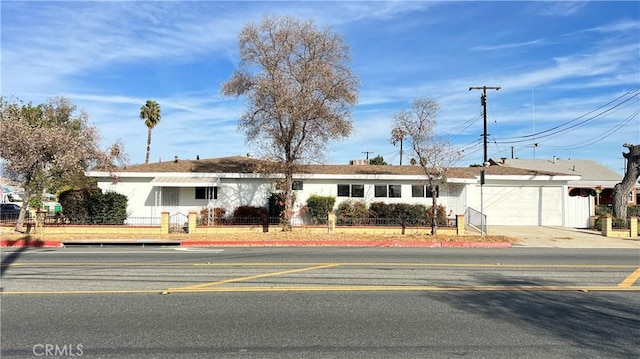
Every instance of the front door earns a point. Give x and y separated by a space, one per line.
170 199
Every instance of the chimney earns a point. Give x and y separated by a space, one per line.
504 159
554 159
175 159
359 162
197 157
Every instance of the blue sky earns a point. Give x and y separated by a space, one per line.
569 72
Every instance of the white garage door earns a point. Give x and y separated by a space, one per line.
526 206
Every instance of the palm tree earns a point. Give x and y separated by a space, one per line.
398 135
150 113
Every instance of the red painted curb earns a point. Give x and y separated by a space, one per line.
343 244
476 244
26 243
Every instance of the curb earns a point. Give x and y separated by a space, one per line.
21 243
258 243
344 244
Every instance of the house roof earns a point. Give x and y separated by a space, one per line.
244 165
589 170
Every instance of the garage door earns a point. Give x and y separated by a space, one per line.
527 206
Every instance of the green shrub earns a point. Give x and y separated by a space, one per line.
381 210
602 210
75 204
352 211
319 207
91 206
441 215
633 210
107 208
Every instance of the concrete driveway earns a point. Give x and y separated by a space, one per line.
561 237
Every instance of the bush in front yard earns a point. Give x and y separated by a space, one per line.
108 208
91 206
75 204
249 214
352 212
319 207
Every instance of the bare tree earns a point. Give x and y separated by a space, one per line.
299 93
621 190
47 142
433 153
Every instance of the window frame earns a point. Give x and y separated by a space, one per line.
395 191
380 187
201 193
342 188
297 185
357 191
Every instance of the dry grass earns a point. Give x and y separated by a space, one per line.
270 236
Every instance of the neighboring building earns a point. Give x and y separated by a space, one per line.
594 187
510 195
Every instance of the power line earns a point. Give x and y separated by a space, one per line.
525 138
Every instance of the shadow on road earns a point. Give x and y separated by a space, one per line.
21 245
599 322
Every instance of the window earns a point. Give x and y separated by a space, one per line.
395 191
296 186
354 190
417 191
357 190
343 190
380 190
423 191
206 192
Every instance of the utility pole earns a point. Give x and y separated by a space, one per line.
483 99
367 153
485 160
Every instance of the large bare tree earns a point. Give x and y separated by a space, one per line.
46 142
433 153
299 90
621 190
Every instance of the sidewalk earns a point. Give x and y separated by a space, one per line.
560 237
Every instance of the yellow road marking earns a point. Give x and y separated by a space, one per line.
345 264
631 278
240 279
339 289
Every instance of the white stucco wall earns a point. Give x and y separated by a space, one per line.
506 200
525 203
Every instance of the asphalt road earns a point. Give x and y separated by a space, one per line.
132 302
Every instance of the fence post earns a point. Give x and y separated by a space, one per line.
193 220
164 223
633 227
460 224
331 222
606 223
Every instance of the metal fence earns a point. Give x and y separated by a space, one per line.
475 218
97 220
241 221
394 222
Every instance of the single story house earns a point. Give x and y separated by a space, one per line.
594 187
509 195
